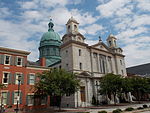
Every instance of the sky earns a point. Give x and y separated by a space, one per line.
23 22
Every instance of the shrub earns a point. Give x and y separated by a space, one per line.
145 106
117 111
83 112
129 109
140 108
102 111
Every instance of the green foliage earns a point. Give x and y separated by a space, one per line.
117 111
2 86
145 106
83 112
140 108
126 85
140 86
116 85
56 82
111 84
102 111
129 109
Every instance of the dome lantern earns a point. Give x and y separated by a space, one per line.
50 25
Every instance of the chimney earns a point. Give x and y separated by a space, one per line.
42 61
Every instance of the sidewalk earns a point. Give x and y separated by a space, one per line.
108 108
92 109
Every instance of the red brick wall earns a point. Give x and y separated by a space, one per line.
25 88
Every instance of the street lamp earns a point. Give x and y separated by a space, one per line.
1 104
17 106
97 92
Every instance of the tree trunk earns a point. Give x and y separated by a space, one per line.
115 98
60 103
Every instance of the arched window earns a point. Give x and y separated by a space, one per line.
80 66
109 43
68 27
75 27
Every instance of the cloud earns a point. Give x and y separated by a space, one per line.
4 12
91 42
93 29
143 5
113 7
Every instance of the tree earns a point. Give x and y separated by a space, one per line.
56 82
111 84
2 86
140 86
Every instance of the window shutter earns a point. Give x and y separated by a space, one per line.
20 97
14 81
8 98
1 59
27 100
28 79
13 97
22 79
23 62
35 77
11 60
10 78
15 61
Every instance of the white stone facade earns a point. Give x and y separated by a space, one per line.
91 62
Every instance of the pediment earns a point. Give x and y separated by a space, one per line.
101 46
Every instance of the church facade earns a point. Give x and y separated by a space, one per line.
71 53
90 62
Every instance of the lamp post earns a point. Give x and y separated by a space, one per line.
97 92
1 104
17 106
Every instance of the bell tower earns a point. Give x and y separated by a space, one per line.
72 26
111 41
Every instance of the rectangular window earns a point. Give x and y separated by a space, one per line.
121 62
5 78
95 55
79 52
18 77
16 97
7 60
103 63
4 98
80 65
19 61
30 100
67 65
31 79
122 72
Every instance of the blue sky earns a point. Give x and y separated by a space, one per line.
22 23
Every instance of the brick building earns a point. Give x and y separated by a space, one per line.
14 63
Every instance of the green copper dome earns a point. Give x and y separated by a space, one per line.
49 46
51 35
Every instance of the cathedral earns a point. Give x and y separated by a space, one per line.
71 53
90 62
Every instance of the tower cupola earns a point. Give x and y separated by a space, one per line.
111 41
72 26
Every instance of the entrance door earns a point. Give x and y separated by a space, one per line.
82 92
